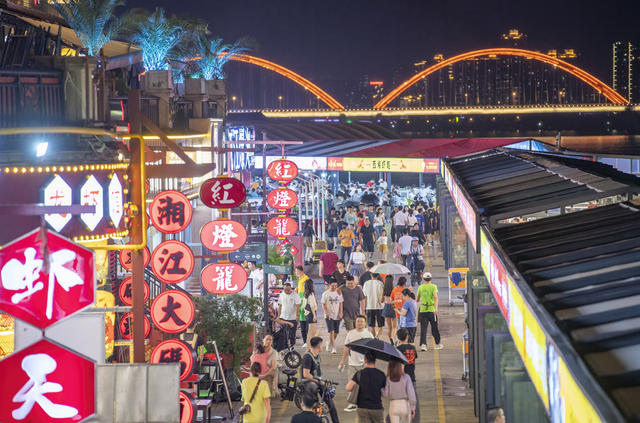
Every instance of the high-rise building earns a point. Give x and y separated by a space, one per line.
626 70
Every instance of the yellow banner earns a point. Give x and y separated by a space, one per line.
577 408
106 299
366 164
516 315
535 358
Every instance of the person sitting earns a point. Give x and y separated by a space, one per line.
309 400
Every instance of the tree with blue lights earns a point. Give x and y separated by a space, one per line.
93 21
214 54
156 36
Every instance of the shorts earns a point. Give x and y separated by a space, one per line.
333 325
308 241
332 233
349 323
367 247
383 248
375 316
357 269
388 311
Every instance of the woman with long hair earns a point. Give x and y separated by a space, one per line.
402 396
356 263
309 307
256 394
388 310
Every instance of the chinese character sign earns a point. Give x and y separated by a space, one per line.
282 198
116 200
282 170
46 383
57 193
171 212
91 194
223 235
126 326
125 291
223 278
127 263
172 311
222 193
287 247
174 351
44 290
282 227
186 407
172 261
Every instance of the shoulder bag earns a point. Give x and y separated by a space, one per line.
247 407
352 397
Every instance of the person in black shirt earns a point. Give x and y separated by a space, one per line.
309 399
312 371
367 238
371 382
409 352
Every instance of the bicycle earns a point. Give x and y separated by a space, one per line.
293 390
281 342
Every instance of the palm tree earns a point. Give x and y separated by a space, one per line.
156 36
93 21
214 54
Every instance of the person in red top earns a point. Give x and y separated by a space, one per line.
328 264
396 294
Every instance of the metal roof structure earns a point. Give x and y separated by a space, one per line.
584 268
504 184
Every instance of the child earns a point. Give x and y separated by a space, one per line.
409 352
381 244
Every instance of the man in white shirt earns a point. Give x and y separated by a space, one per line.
356 360
400 222
332 303
289 309
405 246
257 276
372 290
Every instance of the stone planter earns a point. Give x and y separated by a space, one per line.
216 88
159 83
194 86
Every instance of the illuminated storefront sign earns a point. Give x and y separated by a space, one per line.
465 210
282 170
222 193
91 194
282 198
304 163
172 311
57 193
126 326
116 200
370 164
172 261
125 291
223 235
496 274
171 212
223 278
174 351
282 227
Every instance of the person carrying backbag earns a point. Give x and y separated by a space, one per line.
258 408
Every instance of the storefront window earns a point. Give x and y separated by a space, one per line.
459 242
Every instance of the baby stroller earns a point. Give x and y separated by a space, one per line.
281 343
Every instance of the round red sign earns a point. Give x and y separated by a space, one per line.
170 212
222 193
223 278
282 227
172 261
174 351
126 326
186 407
125 258
172 311
223 235
125 292
282 198
282 170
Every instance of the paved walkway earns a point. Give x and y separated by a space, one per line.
442 395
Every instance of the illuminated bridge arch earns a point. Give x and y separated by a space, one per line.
305 83
600 86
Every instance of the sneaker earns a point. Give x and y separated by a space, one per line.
351 407
304 345
438 346
333 351
327 347
423 347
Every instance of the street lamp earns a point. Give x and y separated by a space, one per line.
280 101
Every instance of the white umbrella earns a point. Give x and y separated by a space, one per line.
390 269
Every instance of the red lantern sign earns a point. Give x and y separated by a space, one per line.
172 261
223 235
282 198
125 258
125 291
170 212
46 383
282 170
223 278
186 407
222 193
172 311
40 294
282 227
174 351
126 326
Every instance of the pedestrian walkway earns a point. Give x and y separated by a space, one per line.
442 394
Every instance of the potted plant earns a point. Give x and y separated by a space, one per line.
227 320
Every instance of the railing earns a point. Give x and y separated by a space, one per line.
31 98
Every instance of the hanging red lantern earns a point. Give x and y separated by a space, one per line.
223 278
282 198
172 261
223 235
171 212
222 193
282 227
282 170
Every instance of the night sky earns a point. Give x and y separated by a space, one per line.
348 38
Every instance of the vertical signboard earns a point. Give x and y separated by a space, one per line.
465 210
496 274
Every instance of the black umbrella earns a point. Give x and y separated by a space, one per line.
383 350
350 203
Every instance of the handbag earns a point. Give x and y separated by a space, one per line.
246 408
352 397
